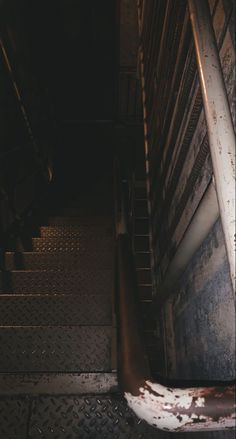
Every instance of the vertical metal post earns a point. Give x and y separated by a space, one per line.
218 118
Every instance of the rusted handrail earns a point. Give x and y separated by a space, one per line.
167 408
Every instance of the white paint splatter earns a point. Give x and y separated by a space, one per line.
200 402
161 407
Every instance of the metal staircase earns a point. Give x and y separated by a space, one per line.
58 376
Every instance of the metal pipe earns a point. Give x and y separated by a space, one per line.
202 222
164 407
219 120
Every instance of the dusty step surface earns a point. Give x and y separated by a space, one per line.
71 417
62 383
74 230
54 310
67 282
55 349
73 261
81 220
82 245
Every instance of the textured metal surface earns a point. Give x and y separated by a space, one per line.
58 383
55 349
79 220
58 260
14 413
54 310
77 244
85 418
74 231
67 282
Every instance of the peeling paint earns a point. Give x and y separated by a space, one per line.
184 409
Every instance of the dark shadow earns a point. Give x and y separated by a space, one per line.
18 258
6 282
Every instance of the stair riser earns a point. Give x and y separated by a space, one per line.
58 384
80 245
74 231
56 261
79 221
54 282
55 349
55 310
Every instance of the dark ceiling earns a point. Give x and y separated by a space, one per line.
73 49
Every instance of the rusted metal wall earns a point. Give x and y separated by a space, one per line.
198 317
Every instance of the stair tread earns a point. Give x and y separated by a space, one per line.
83 244
88 416
58 260
55 349
55 310
79 220
74 230
58 383
68 282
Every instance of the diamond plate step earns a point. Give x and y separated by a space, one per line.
55 349
58 260
56 310
68 244
14 415
67 282
58 383
74 231
74 417
88 417
79 220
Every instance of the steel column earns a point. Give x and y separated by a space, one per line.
218 118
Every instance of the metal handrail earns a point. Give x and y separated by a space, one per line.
168 408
